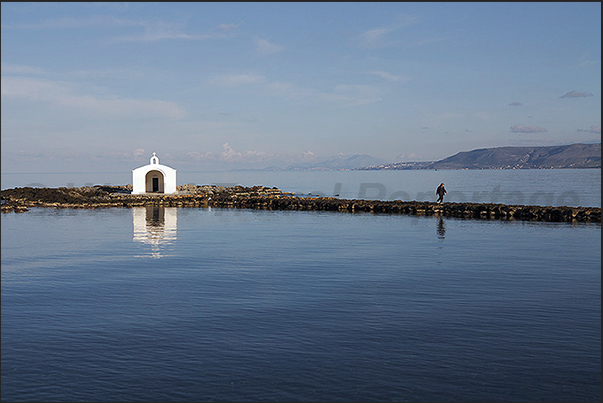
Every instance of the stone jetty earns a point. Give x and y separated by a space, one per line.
260 197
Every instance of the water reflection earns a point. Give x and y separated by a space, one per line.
441 228
155 226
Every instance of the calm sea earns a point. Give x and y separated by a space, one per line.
167 304
548 187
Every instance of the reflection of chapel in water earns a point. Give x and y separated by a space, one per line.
155 226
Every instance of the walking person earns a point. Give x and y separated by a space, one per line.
440 191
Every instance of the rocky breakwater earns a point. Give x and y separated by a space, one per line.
90 197
260 197
460 210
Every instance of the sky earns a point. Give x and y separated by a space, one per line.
218 86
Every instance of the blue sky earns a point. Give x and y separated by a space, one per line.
208 86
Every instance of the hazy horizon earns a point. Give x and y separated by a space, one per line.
225 86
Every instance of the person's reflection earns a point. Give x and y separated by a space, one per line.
441 228
155 226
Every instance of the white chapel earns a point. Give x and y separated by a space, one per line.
154 178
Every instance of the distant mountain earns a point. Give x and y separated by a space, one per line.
339 163
545 157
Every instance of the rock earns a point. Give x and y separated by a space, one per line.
261 197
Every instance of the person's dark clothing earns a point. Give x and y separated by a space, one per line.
440 191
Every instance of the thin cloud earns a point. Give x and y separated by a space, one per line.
117 74
17 69
381 36
576 94
235 80
373 37
229 154
263 47
289 90
70 23
593 129
351 95
30 156
588 63
134 155
158 31
342 95
161 30
197 156
389 77
63 95
153 31
435 121
423 42
527 129
228 27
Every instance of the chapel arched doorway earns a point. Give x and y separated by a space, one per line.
155 182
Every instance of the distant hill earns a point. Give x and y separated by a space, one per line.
545 157
339 163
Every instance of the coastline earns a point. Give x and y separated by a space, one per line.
20 200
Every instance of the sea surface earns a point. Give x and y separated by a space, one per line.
193 304
546 187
